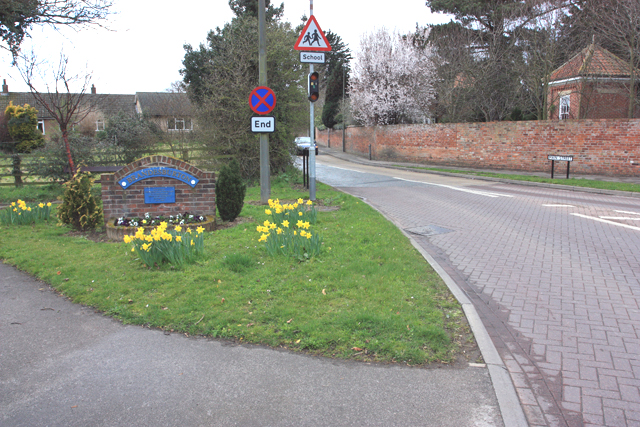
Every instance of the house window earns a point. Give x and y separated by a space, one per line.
99 125
565 107
41 126
178 123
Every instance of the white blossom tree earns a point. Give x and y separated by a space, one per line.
393 79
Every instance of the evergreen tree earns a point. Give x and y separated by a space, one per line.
230 191
219 77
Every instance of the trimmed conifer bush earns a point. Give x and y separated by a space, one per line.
230 191
79 208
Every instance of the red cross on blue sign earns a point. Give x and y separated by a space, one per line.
262 100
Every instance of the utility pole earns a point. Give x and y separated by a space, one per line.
265 172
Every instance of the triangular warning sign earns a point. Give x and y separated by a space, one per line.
312 38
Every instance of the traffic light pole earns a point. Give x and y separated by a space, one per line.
312 147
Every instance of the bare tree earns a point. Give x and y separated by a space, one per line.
618 22
17 17
65 106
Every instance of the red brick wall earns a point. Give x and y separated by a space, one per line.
604 147
129 202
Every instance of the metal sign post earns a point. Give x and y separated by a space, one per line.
265 172
555 158
312 39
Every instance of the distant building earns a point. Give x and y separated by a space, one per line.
106 105
171 111
594 84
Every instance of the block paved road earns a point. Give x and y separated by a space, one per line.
554 274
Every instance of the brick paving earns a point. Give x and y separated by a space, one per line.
558 290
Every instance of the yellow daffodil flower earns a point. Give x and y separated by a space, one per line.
200 229
178 228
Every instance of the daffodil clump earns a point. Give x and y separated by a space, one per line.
300 210
176 246
20 213
289 231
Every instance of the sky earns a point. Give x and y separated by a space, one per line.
141 50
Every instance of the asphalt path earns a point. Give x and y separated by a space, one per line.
554 275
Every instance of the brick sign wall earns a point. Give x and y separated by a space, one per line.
159 185
604 147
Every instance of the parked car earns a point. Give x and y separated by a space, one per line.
304 143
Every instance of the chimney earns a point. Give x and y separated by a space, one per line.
5 88
93 89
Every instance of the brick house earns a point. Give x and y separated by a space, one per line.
105 106
172 111
594 84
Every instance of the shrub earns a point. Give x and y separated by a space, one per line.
79 207
230 191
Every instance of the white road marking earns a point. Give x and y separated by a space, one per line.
621 218
480 193
559 206
627 212
607 221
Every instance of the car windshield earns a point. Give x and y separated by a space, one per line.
303 140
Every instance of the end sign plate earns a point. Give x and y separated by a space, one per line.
264 124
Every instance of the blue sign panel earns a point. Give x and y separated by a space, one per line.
158 172
159 195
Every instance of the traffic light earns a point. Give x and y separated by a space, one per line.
314 90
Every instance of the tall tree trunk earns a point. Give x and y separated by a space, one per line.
17 170
67 147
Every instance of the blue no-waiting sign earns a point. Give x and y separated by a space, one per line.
262 100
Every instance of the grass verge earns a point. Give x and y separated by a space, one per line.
576 182
368 296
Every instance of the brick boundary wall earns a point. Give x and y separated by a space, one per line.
129 202
599 147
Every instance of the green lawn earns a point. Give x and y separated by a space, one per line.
368 296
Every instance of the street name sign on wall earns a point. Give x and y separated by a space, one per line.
312 38
265 124
312 57
560 158
262 100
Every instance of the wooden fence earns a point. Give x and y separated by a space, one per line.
198 156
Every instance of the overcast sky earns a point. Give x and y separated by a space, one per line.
142 50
